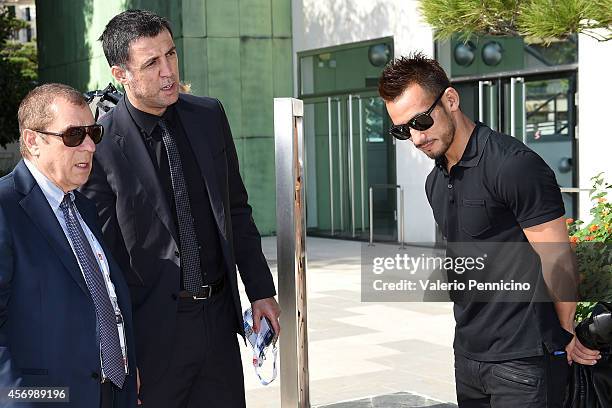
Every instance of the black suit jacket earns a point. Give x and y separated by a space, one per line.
139 227
48 331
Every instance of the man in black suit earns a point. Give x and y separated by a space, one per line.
175 213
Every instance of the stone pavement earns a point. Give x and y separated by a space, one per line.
363 354
396 400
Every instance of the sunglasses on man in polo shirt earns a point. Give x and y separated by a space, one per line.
74 135
421 121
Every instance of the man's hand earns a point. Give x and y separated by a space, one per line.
269 308
580 354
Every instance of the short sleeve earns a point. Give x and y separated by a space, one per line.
529 188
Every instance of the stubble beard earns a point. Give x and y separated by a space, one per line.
446 139
154 99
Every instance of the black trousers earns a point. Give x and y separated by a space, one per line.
532 382
205 368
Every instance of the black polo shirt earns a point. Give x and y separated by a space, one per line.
211 261
498 188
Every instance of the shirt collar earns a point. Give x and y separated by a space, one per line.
145 121
51 191
473 150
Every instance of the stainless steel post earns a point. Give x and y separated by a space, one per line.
401 220
512 107
291 251
361 165
493 123
524 108
351 164
331 164
371 216
481 101
340 167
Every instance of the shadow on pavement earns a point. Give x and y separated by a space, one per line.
397 400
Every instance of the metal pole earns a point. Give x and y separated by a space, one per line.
291 251
401 215
351 164
524 107
331 164
371 217
575 190
340 166
512 107
362 165
481 101
492 105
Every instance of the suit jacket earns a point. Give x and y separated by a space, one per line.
48 329
139 227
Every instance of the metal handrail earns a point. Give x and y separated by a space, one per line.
400 235
575 189
543 104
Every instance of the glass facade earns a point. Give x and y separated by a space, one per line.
529 94
348 147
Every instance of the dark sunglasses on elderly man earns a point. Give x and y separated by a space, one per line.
74 135
421 121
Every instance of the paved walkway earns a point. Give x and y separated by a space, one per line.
373 354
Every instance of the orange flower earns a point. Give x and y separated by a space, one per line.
601 200
593 228
588 238
573 239
569 220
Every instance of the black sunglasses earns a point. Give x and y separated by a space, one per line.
420 121
74 135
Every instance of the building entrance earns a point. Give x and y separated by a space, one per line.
348 149
540 110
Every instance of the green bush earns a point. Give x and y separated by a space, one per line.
592 243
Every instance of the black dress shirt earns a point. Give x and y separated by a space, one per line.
211 260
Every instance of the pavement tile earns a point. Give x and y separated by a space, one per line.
374 354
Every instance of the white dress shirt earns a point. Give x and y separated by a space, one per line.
55 196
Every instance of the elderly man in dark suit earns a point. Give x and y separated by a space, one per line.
175 212
65 312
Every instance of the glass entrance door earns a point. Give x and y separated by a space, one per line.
348 151
540 111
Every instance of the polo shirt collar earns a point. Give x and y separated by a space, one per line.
473 150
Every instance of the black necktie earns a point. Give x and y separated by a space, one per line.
112 357
190 255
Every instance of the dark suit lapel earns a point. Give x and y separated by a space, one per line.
133 147
38 209
194 123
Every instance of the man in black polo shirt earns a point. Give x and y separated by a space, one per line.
489 188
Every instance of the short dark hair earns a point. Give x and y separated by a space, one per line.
416 68
127 27
35 109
